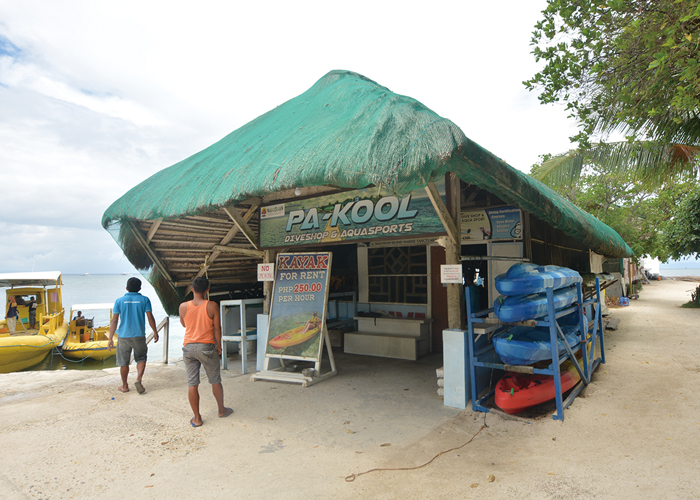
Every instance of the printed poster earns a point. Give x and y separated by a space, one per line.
299 304
503 223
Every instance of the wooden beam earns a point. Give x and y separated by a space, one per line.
225 241
258 254
154 227
453 250
268 286
197 228
243 224
224 281
443 213
151 253
288 194
180 242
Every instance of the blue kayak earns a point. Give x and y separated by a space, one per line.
523 345
523 307
524 279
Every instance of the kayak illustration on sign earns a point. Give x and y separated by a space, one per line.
298 335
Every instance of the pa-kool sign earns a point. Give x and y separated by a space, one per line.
362 214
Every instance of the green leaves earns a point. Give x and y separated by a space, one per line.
631 186
682 234
625 65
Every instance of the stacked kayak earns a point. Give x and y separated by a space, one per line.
523 288
523 345
526 278
516 392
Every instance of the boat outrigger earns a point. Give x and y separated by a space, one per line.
30 343
85 340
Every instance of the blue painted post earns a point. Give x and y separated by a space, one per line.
599 321
456 367
555 354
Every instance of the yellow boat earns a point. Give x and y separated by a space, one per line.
85 339
28 346
295 336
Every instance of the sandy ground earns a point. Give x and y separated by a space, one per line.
633 433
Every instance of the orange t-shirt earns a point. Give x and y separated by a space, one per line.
200 327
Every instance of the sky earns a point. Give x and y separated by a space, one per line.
97 96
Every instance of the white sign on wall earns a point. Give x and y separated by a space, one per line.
266 272
451 273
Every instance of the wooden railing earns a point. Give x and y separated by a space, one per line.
50 323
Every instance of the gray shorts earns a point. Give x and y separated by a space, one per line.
126 345
196 355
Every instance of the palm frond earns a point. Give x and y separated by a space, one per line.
562 170
645 161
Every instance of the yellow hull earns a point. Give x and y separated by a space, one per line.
93 350
293 337
79 348
22 350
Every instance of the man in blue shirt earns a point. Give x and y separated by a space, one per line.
133 308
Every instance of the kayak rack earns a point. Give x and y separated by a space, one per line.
483 359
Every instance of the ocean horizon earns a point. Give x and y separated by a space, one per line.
674 273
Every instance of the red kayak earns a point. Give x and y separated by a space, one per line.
517 392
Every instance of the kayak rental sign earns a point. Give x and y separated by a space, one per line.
299 303
357 215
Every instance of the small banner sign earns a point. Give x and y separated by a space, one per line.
266 272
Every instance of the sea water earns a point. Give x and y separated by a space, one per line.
106 288
672 273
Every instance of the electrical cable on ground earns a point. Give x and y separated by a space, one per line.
352 477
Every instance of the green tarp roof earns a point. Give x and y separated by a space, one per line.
350 132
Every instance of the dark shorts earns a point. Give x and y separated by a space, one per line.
128 344
198 355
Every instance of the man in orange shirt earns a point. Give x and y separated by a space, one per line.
202 347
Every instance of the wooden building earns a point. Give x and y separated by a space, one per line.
387 185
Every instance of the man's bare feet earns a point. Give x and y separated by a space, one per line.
123 389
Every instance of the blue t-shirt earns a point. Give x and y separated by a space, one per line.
132 309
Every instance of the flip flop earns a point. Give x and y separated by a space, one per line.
121 389
193 424
139 387
227 412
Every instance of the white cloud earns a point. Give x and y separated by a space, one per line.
100 95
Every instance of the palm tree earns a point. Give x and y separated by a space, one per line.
672 152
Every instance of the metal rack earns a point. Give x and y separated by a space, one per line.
482 355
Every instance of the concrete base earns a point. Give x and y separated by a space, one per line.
456 369
386 346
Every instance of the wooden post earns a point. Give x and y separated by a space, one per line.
453 253
270 257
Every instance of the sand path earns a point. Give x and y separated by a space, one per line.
634 433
